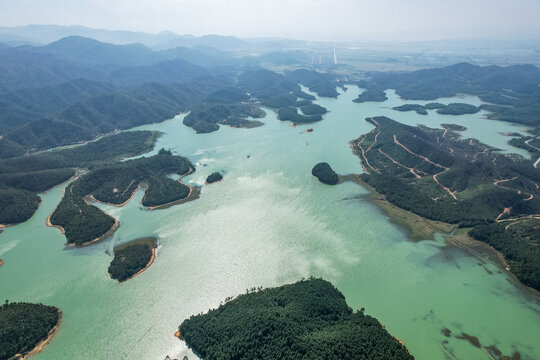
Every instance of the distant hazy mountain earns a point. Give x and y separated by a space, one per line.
24 67
89 51
77 57
44 34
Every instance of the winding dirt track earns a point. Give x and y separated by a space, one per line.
420 156
397 163
374 142
444 187
364 155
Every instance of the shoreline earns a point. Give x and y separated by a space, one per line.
152 259
41 345
480 250
68 181
109 232
419 228
454 236
193 194
48 220
213 182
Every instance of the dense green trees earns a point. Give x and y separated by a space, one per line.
23 326
206 117
324 84
325 174
37 181
313 109
512 92
457 181
306 320
371 95
131 257
16 205
163 190
434 105
213 177
420 110
282 92
291 114
105 150
81 222
454 127
450 109
520 246
102 114
21 177
458 109
115 184
62 93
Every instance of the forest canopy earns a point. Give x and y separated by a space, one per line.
23 326
305 320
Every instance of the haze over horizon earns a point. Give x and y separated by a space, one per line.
361 20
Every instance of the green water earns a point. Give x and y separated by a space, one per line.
269 222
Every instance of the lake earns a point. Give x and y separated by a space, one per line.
267 223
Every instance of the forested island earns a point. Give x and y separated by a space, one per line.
115 184
450 109
420 110
324 172
26 327
305 320
132 258
458 109
437 175
214 177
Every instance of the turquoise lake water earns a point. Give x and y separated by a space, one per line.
269 222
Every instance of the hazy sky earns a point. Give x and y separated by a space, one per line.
302 19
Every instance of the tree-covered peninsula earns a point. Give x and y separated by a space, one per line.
450 109
206 117
22 177
437 175
306 320
115 184
324 172
23 326
453 127
132 258
16 205
291 114
371 95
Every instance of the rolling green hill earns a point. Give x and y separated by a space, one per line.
436 174
305 320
